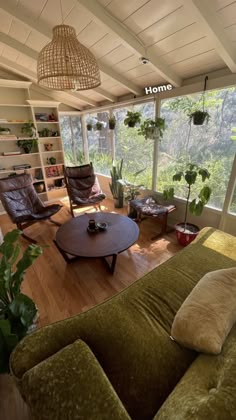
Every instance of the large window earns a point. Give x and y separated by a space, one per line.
136 152
99 144
72 139
208 145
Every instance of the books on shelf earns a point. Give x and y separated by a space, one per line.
11 153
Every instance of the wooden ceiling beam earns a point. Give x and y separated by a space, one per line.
206 14
130 40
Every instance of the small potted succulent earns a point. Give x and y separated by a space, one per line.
112 122
17 311
152 129
99 126
187 232
132 118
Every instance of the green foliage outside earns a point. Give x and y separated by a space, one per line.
212 145
17 311
208 145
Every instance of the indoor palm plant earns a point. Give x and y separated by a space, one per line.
17 311
185 231
115 187
152 129
132 118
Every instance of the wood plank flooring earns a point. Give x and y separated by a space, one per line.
61 290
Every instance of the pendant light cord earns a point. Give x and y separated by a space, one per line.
62 20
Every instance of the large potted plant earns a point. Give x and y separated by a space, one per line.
17 311
115 187
152 129
186 232
132 118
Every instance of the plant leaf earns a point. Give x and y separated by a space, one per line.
24 308
177 176
196 207
204 174
205 194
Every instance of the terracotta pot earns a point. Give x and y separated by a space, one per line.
186 233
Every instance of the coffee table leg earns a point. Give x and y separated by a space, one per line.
113 263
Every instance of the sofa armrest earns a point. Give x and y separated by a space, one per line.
207 389
70 385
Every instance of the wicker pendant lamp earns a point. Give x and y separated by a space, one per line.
66 64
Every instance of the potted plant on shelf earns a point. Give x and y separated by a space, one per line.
187 232
152 129
115 187
112 122
28 129
99 126
132 118
26 145
17 311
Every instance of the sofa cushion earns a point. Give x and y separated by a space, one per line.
208 314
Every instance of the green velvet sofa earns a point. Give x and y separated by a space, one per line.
117 361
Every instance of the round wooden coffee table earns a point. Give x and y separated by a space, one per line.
73 239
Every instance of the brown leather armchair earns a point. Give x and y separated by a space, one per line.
83 187
22 203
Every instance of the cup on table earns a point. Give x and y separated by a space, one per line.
92 224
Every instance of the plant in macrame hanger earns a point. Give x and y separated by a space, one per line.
200 116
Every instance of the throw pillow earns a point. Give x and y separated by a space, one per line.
207 315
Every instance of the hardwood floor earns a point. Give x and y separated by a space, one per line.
61 290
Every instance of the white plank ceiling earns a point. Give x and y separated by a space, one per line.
169 31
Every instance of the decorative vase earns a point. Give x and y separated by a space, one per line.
39 187
48 147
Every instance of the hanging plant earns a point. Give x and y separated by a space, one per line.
152 129
200 116
112 122
99 126
89 126
132 118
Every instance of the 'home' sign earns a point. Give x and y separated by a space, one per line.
158 89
